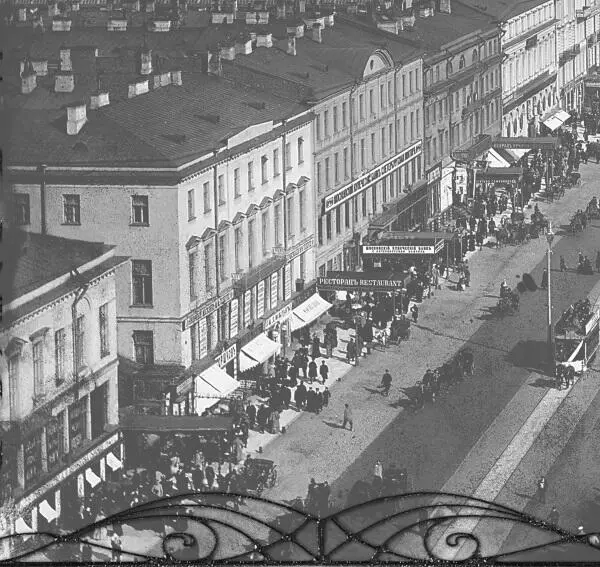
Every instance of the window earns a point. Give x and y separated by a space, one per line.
193 271
344 114
335 120
418 121
38 367
103 322
290 216
403 86
22 209
320 230
364 204
327 179
208 273
391 137
475 55
449 69
390 93
288 156
346 164
251 243
60 353
328 226
405 128
412 125
382 96
338 220
221 189
264 175
373 148
362 153
461 62
275 162
222 257
265 232
250 176
277 224
55 440
319 177
237 192
300 150
302 209
411 81
374 197
383 147
139 210
80 342
77 423
336 168
206 197
361 106
237 250
191 204
347 213
318 126
142 282
71 209
326 123
32 457
371 102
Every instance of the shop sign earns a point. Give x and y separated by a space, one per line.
460 180
202 337
279 251
247 300
281 315
357 282
398 249
182 387
547 143
260 299
274 286
205 310
531 42
355 187
435 173
233 318
595 84
287 291
65 473
301 247
227 356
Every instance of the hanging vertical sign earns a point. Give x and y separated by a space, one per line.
247 300
233 318
274 293
80 487
260 299
202 337
287 291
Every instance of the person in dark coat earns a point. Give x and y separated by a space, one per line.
312 370
251 411
318 402
286 396
210 475
304 363
367 335
326 397
316 348
311 400
328 344
300 396
324 372
544 284
262 416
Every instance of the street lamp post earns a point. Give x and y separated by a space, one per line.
549 239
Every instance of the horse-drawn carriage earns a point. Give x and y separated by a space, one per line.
539 224
578 222
592 210
509 301
258 475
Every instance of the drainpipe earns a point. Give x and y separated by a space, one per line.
42 170
353 211
284 181
216 219
79 294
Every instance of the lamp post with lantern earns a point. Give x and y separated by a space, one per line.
550 338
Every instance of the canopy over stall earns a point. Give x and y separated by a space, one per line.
257 351
507 175
555 119
212 385
308 311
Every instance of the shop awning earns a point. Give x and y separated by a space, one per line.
92 478
176 423
500 174
212 385
47 511
258 350
308 311
21 527
495 159
112 461
555 119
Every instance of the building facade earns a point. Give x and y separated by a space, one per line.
59 408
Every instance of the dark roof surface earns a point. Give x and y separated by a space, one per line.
33 260
501 9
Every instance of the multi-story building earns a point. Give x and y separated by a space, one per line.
59 401
206 186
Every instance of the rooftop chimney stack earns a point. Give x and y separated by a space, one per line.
176 78
146 62
28 81
302 6
64 82
98 100
445 6
76 118
213 63
65 59
281 10
317 33
291 45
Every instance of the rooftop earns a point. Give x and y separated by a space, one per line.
33 260
501 10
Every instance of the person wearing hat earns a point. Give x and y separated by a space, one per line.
553 516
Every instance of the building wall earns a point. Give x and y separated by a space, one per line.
396 102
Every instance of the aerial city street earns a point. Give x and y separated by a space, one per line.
285 261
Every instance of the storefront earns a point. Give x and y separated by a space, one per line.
592 94
212 387
60 497
496 177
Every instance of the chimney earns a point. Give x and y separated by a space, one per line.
146 62
281 10
445 6
243 46
61 25
76 118
138 88
98 100
40 67
317 33
28 81
176 78
65 59
75 6
302 6
213 63
291 45
264 39
53 10
64 82
150 6
227 52
22 15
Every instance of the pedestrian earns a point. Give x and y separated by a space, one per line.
348 418
316 348
319 402
544 284
386 382
378 470
312 370
326 396
115 545
415 313
324 371
300 396
328 343
553 516
351 352
563 264
542 487
467 274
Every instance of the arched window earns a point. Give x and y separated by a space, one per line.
475 56
461 63
449 69
429 76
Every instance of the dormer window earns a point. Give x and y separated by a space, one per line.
449 69
475 56
461 63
